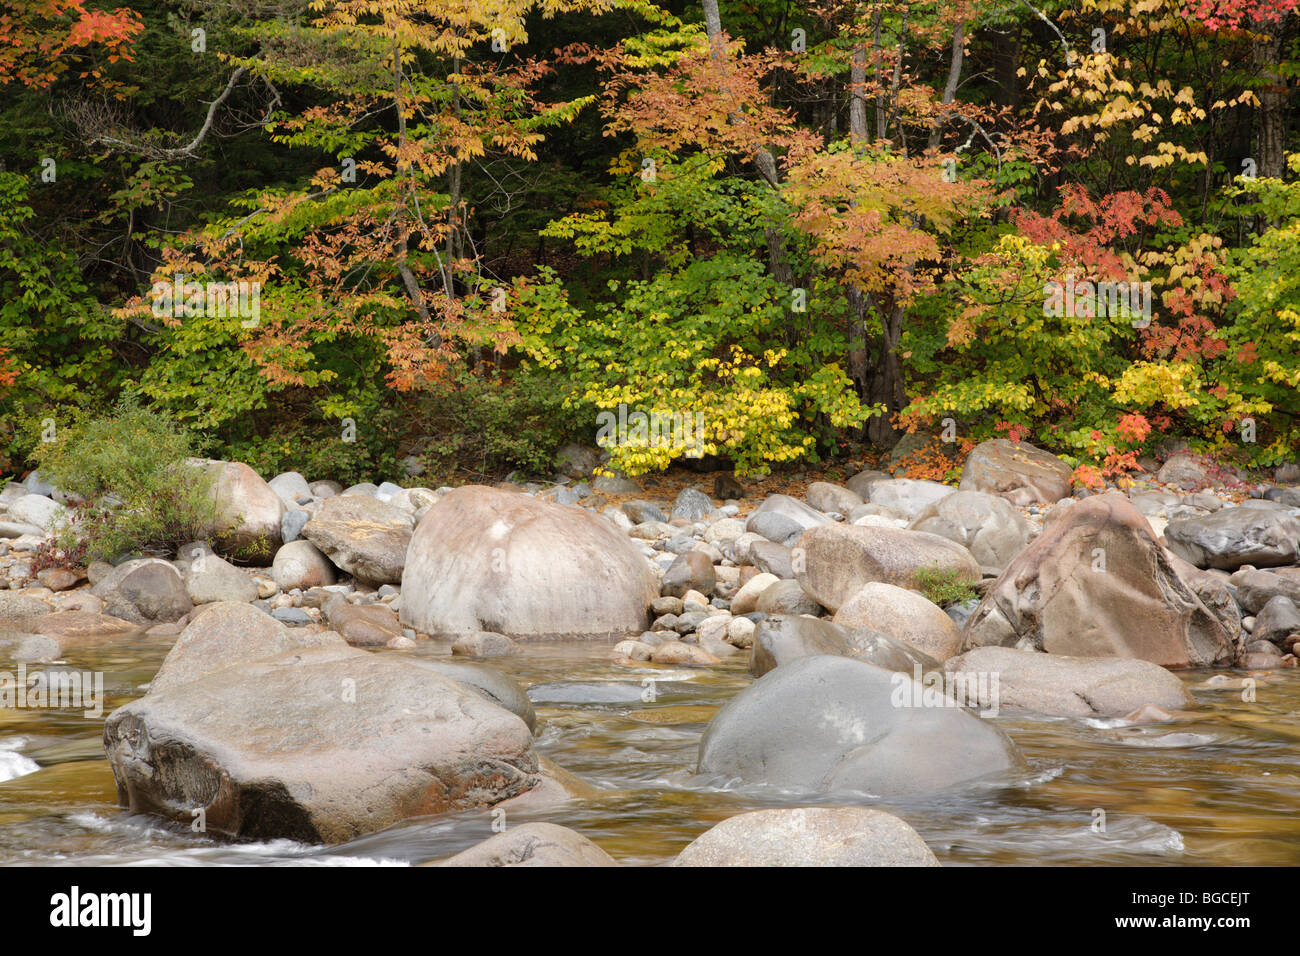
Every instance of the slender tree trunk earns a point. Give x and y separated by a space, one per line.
764 162
950 88
1267 57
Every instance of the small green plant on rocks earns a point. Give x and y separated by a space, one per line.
133 490
944 586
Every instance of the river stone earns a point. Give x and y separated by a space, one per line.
828 724
782 519
908 497
787 597
18 612
745 601
365 625
1278 620
1062 686
1017 471
692 504
771 558
290 486
1231 537
291 525
37 511
145 591
825 496
692 571
74 629
363 536
1256 588
861 483
905 616
249 511
1184 470
486 560
488 681
833 563
210 579
483 644
988 526
533 844
1096 583
639 512
811 836
226 634
784 638
300 564
319 745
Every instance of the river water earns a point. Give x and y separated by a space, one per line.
1220 784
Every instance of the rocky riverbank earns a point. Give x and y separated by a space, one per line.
292 703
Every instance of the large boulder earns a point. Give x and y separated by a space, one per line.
1262 534
825 496
783 519
37 511
486 560
145 591
319 745
364 536
1255 588
302 565
1004 678
210 579
19 612
1016 471
533 844
1096 583
827 724
908 497
834 562
905 616
783 638
225 634
812 836
987 526
248 511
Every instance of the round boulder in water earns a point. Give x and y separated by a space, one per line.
830 724
486 560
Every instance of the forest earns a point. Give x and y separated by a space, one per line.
336 236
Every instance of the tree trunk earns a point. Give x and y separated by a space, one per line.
1267 57
950 88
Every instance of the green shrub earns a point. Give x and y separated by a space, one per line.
137 494
944 586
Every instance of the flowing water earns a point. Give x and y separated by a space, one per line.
1220 784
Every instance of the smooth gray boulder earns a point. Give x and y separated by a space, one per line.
987 526
487 560
908 497
809 836
783 638
783 519
1231 537
363 536
904 615
144 591
1017 471
1004 678
833 563
318 745
1096 583
829 724
533 844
